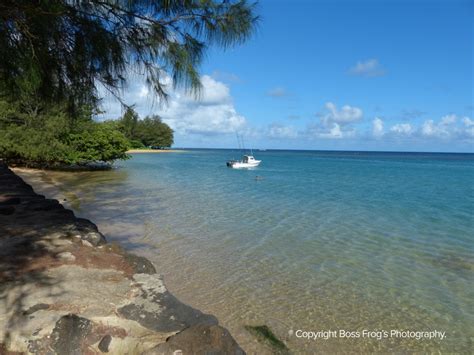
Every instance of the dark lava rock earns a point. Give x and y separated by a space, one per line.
84 225
140 264
10 201
199 339
104 343
7 210
69 334
173 316
45 205
89 232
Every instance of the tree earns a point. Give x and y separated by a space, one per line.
100 142
128 123
57 55
67 50
51 140
151 131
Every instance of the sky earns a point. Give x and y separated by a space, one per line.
392 75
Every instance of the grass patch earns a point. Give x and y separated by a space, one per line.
263 333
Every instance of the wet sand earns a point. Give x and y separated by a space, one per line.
137 151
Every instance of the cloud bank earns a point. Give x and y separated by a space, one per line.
212 120
211 113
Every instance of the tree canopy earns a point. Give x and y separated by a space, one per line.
58 56
66 50
148 132
152 132
49 138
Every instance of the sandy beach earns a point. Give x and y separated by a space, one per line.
137 151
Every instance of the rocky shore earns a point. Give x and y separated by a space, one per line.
65 290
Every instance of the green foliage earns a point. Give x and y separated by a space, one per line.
49 138
136 144
129 123
31 147
56 55
152 132
98 142
149 132
64 50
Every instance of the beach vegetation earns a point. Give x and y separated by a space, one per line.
47 136
59 58
153 132
128 123
148 132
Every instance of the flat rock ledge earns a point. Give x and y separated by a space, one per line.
65 290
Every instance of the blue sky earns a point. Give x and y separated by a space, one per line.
358 75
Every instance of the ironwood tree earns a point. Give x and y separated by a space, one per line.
57 57
68 49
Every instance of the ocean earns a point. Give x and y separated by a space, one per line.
321 241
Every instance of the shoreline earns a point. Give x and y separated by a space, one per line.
67 289
64 187
138 151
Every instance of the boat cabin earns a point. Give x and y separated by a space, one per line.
248 159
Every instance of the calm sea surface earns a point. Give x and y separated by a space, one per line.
323 241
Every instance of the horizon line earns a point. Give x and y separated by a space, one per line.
327 150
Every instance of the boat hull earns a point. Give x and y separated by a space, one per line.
240 165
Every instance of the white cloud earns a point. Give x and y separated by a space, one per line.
468 122
219 118
448 119
428 128
335 123
346 115
143 92
276 130
402 129
368 68
377 127
447 128
443 129
211 113
468 127
214 113
213 92
335 131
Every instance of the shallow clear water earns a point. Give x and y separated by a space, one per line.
325 240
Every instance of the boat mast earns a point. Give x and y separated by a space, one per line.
243 145
238 141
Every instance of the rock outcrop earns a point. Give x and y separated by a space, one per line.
65 290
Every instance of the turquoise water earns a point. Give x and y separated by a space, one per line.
324 240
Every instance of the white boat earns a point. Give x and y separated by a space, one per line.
248 161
